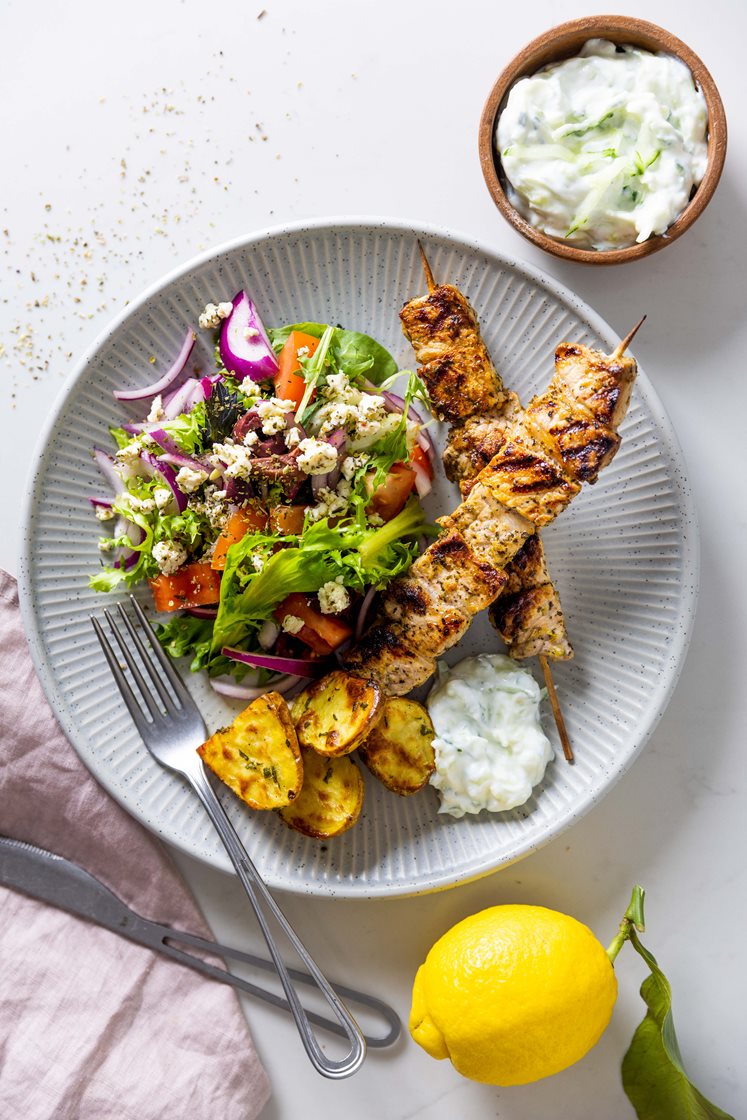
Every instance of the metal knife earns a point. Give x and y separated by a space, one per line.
58 881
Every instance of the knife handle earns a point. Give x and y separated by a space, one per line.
169 935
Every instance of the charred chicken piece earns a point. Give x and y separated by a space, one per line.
454 362
527 613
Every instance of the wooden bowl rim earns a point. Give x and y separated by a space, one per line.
564 41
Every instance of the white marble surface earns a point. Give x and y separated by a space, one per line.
135 136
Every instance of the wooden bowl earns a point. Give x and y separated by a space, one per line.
566 41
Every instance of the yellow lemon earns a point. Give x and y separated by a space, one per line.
513 994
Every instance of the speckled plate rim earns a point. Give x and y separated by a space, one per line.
659 700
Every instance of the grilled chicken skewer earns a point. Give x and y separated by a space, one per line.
527 613
467 390
564 437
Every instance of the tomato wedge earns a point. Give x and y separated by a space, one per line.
245 520
192 585
287 521
420 458
289 384
388 499
322 632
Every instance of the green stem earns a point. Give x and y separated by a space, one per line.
632 921
314 371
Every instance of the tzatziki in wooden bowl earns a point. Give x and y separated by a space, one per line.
603 140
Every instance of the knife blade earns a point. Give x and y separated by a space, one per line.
58 881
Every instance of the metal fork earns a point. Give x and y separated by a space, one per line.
171 727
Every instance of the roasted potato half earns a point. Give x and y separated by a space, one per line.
334 714
331 797
399 750
258 756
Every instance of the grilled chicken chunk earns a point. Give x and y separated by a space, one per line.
583 444
523 478
454 362
425 613
492 531
383 656
594 383
527 614
472 445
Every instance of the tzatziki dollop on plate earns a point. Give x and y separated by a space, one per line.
490 747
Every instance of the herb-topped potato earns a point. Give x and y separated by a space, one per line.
335 714
331 799
258 756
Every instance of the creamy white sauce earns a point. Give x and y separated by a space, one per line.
603 150
490 747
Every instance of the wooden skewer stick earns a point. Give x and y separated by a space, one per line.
426 269
546 671
553 697
623 345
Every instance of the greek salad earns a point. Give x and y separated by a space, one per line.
266 502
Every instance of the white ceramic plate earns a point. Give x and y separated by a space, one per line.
625 556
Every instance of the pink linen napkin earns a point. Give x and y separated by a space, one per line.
93 1027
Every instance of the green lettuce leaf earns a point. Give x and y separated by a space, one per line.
361 556
186 636
356 354
188 430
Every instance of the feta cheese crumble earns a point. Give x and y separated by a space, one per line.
236 456
292 624
317 456
169 555
143 505
213 314
162 497
156 410
189 480
333 597
272 413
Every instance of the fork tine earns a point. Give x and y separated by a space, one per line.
121 680
161 656
147 661
145 693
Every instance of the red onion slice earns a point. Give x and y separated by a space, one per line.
173 452
360 622
226 686
108 470
169 477
183 399
126 558
145 428
298 666
269 632
424 440
168 378
244 346
202 612
395 403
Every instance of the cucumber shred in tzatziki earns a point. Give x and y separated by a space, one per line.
604 149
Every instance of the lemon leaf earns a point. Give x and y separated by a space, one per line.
653 1074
